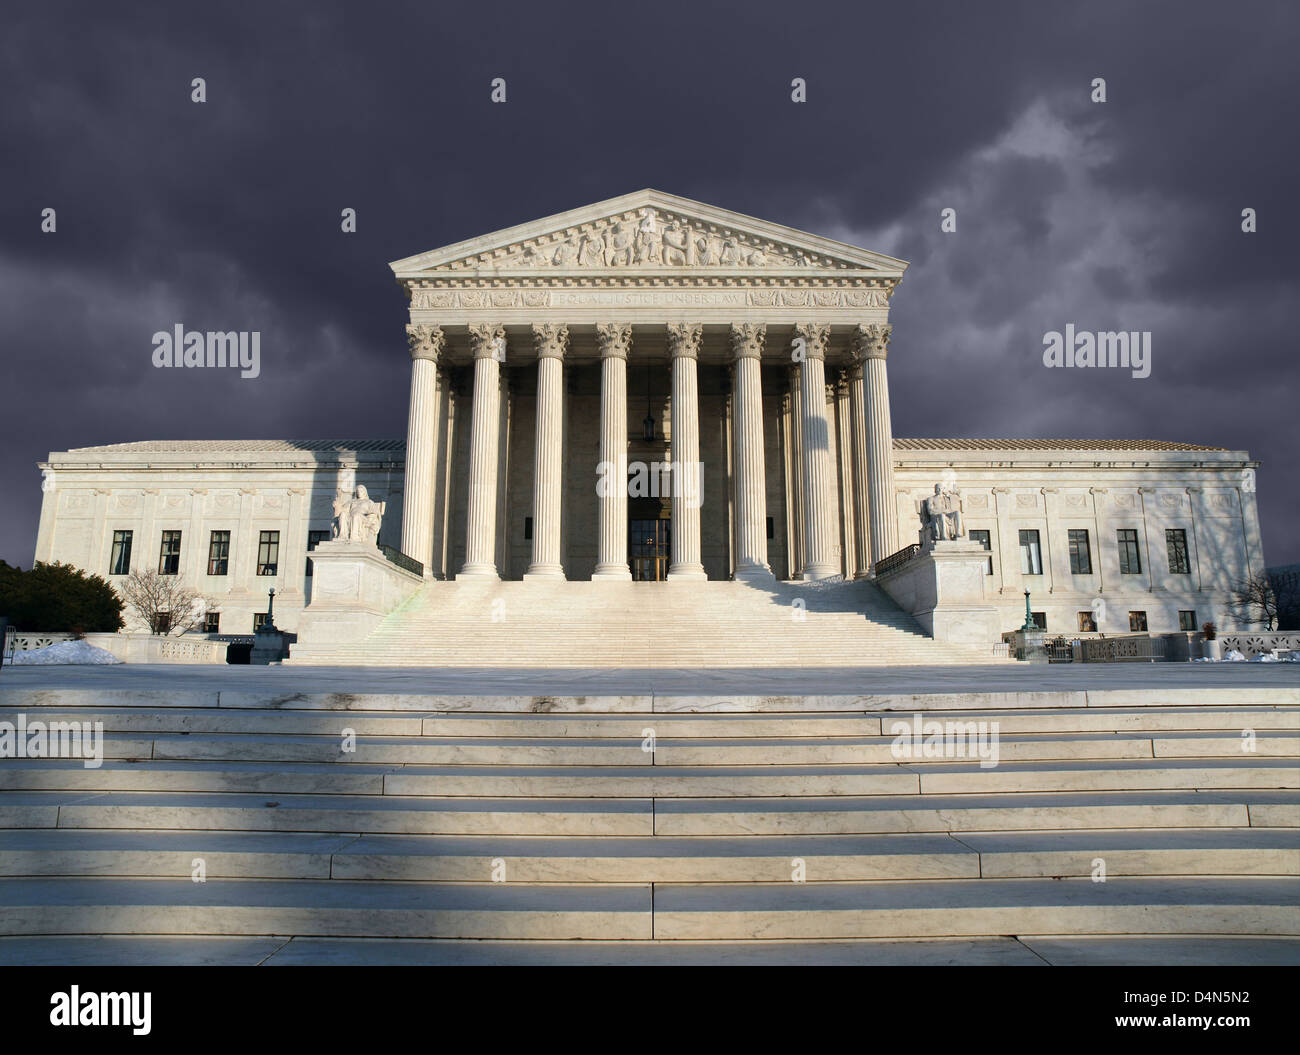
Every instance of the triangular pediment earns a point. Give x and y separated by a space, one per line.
650 231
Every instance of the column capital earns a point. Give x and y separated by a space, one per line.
550 339
871 340
684 340
488 341
747 339
814 336
425 342
614 339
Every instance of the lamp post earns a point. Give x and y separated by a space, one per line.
1029 617
270 610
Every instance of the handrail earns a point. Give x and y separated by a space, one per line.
897 560
404 562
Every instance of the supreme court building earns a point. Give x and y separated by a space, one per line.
645 391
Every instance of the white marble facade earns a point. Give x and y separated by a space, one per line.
759 352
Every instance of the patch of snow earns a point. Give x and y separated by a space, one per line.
64 652
1233 656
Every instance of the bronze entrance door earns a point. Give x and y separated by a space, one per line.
648 546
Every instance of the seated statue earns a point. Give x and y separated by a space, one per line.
357 518
942 514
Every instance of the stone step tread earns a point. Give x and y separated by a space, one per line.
657 846
154 950
947 895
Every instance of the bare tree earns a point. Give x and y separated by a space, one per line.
163 602
1254 601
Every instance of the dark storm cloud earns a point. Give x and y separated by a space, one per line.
225 215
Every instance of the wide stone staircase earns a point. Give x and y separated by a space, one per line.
633 819
677 624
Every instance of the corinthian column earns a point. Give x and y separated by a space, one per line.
426 344
489 347
550 341
858 415
747 435
614 340
819 530
688 483
873 340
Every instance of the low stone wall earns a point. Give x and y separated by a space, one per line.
1251 643
153 648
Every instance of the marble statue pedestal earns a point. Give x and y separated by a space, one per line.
942 588
353 588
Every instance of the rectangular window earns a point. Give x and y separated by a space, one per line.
1137 622
268 552
1187 620
1031 558
162 623
528 529
1130 561
121 561
1080 552
169 556
259 621
771 528
1087 623
1040 620
314 539
219 553
212 622
1176 542
982 536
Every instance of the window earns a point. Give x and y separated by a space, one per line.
121 562
314 539
219 553
981 535
1087 623
268 552
528 529
1130 561
1137 621
1031 558
1040 619
1187 620
1176 543
259 621
212 622
169 557
771 528
1080 552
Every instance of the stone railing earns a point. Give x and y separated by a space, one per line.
897 560
1252 643
1135 648
18 641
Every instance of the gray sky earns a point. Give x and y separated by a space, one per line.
1123 215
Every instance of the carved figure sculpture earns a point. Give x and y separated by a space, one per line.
942 514
357 518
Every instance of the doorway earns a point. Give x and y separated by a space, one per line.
649 544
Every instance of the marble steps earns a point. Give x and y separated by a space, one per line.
647 859
936 776
670 911
1224 720
632 750
621 624
808 815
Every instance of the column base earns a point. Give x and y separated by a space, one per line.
479 571
816 572
863 575
552 572
691 572
754 573
612 573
